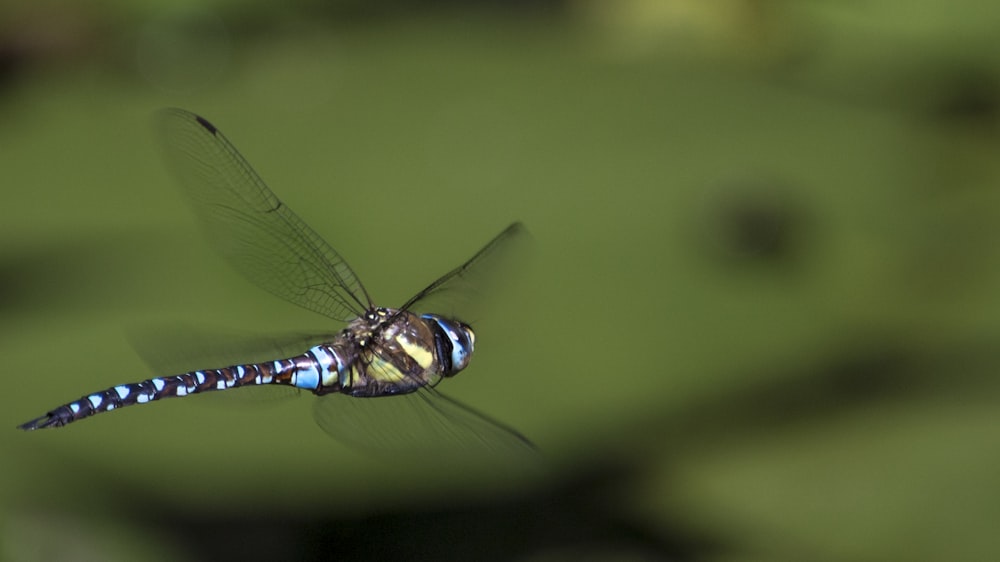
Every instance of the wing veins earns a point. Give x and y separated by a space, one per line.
258 233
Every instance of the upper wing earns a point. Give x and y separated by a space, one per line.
458 292
259 235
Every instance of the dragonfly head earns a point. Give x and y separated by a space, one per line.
455 342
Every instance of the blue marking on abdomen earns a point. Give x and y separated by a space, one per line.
308 380
329 364
306 373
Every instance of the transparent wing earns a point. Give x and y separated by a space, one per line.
259 235
172 349
421 423
462 291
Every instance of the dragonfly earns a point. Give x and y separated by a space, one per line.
391 356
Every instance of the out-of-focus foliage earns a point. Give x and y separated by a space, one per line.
761 320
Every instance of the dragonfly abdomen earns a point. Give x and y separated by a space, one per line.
305 371
322 369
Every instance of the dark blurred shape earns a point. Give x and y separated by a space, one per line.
966 95
48 277
361 10
852 376
82 273
11 60
186 49
580 518
755 222
48 34
961 93
864 371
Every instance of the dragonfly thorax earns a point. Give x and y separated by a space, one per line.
377 324
432 341
398 351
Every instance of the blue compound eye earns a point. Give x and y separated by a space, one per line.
459 342
463 341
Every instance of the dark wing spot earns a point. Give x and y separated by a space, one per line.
204 123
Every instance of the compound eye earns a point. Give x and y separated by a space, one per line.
461 348
463 341
469 334
460 336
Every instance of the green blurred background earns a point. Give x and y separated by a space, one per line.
761 322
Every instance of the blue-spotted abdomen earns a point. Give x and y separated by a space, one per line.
320 367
